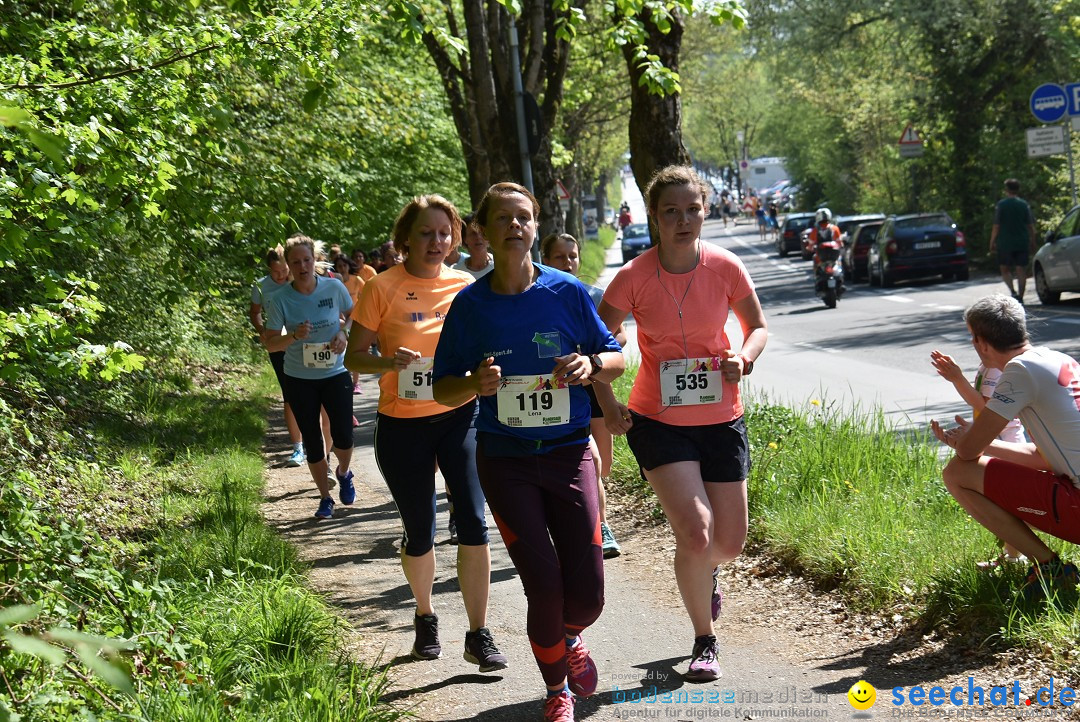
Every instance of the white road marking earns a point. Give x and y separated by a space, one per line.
1062 319
897 299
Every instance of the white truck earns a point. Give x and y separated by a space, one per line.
764 172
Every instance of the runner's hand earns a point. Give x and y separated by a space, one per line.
572 368
339 343
488 376
302 331
618 420
403 357
731 366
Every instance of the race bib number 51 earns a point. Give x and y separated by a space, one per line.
690 382
319 356
414 381
531 401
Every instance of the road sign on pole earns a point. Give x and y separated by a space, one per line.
1072 99
1045 141
911 145
1048 103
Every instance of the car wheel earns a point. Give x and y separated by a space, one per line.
1046 296
887 280
626 258
856 277
947 276
781 248
963 275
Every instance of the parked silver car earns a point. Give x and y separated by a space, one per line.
1057 263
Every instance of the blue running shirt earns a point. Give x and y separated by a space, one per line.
524 333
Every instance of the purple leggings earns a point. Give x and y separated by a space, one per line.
546 508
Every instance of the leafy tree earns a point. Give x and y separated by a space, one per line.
151 153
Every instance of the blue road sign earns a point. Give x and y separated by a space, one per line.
1072 97
1048 103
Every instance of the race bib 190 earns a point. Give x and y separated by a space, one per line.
414 381
319 356
690 381
530 401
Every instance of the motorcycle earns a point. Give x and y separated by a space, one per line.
828 272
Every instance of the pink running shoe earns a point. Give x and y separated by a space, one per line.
704 665
559 708
581 672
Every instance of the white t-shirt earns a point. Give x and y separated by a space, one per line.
1042 387
462 265
985 383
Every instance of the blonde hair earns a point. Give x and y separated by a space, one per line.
299 239
405 220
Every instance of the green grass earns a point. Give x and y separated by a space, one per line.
198 610
592 255
854 503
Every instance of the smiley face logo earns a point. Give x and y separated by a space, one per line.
861 695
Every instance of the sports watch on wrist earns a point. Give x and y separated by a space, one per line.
747 365
597 363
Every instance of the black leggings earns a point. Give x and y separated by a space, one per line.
307 397
406 451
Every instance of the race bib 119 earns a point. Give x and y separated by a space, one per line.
531 401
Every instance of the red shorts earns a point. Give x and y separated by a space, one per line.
1047 502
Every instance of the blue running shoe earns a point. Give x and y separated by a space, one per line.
326 508
346 490
297 458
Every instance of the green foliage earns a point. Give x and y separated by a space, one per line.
850 75
191 608
150 155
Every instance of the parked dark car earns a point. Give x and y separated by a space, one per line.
790 230
1057 263
915 246
857 248
635 240
847 224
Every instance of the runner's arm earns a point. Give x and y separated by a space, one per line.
754 327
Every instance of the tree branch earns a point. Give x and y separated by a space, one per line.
118 73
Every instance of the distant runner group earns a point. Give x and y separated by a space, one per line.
497 373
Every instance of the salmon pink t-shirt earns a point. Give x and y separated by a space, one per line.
405 310
654 296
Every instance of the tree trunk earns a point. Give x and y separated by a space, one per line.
601 197
572 181
655 121
480 90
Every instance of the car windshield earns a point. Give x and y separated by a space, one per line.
636 230
800 222
934 221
